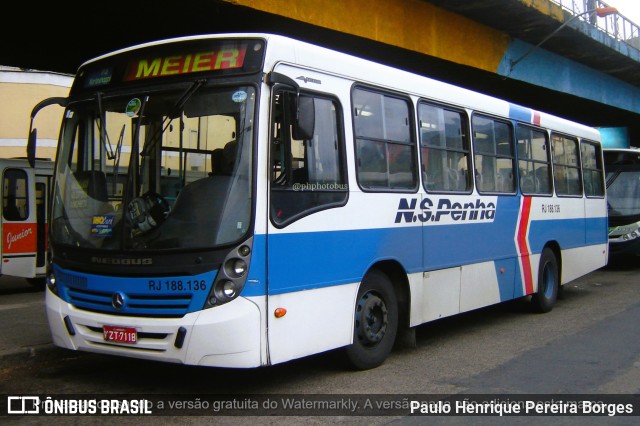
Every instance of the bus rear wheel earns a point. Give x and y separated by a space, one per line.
375 322
548 282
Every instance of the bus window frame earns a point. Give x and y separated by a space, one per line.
466 138
514 159
412 144
599 159
13 212
342 158
549 161
578 167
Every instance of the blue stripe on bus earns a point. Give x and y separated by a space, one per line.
324 259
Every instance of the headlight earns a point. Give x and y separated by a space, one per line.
624 233
51 283
236 267
228 289
231 277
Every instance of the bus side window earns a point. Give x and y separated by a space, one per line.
306 175
495 161
445 148
533 160
14 201
566 165
592 169
385 148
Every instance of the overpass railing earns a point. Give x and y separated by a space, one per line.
617 25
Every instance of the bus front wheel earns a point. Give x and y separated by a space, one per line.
376 322
548 282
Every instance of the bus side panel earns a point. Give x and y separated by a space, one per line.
582 260
315 274
476 229
320 319
19 249
487 283
434 295
597 223
580 232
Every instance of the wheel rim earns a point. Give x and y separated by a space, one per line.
371 319
548 281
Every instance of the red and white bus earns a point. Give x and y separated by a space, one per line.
23 222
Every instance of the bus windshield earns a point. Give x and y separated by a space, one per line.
623 193
623 184
151 170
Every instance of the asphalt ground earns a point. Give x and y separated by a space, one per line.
24 332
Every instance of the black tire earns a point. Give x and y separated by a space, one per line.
548 282
375 322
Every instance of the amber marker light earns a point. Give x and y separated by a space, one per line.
280 312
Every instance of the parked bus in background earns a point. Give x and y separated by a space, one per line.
23 222
622 168
241 200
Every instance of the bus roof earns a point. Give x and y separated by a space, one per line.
314 57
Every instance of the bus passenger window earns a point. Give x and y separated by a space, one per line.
592 169
533 160
14 190
306 175
566 165
445 149
494 155
385 150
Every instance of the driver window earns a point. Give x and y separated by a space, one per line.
306 175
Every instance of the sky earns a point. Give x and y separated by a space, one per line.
629 8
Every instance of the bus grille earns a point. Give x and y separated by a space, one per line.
173 305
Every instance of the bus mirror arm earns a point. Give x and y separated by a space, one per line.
33 133
304 123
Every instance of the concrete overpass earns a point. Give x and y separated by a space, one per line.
584 72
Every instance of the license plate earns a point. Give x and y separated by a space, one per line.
119 334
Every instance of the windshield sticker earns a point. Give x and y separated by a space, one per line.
133 107
239 96
102 225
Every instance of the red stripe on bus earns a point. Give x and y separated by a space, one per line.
522 245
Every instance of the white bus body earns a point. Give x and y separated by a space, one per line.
468 208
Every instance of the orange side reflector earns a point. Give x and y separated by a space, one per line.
280 312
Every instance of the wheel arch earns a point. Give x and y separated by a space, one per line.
557 252
400 282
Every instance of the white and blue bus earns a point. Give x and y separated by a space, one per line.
241 200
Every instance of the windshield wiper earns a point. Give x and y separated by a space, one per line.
177 107
104 136
116 161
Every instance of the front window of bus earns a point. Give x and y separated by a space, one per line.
623 192
155 170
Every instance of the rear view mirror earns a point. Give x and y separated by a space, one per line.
305 121
31 147
33 133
